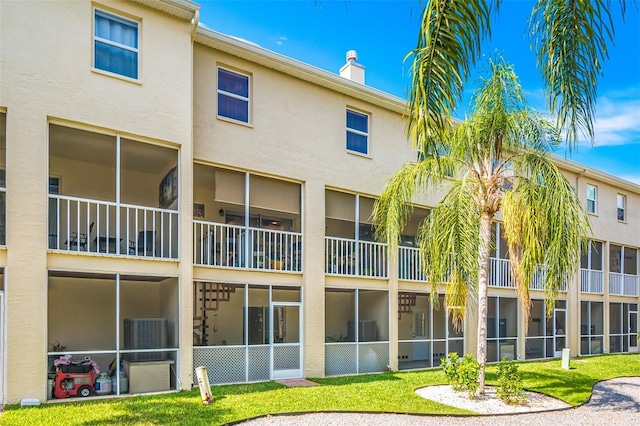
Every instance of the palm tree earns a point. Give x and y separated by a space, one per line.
494 162
570 38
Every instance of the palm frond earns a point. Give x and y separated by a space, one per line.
449 241
545 225
392 210
449 43
571 40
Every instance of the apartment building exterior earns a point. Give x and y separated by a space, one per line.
174 197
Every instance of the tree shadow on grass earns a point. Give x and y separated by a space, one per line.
358 379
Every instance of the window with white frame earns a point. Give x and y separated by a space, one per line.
233 95
592 193
622 203
357 132
115 44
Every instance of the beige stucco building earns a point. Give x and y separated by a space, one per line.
172 197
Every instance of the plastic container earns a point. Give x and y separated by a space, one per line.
103 385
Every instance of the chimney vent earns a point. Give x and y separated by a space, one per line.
352 70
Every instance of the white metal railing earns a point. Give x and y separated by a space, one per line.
3 216
410 264
93 226
500 275
537 282
623 284
218 244
357 258
591 281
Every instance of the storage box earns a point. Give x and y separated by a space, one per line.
148 376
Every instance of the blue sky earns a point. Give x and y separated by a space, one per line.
319 32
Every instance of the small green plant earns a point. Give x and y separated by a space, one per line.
468 372
462 373
509 383
450 367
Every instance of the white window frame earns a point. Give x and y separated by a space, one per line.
594 199
247 99
95 38
623 198
359 132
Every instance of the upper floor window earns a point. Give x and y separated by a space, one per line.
357 132
115 44
622 202
233 95
592 193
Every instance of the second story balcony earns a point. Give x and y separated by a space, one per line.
112 196
233 246
356 258
246 221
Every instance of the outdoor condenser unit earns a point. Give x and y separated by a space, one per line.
145 333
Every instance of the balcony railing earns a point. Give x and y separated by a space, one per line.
537 282
410 264
218 244
591 281
623 284
500 275
356 258
92 226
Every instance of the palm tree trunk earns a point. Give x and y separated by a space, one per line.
483 283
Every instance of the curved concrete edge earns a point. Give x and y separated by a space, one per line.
302 413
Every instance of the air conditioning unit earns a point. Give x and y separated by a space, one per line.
145 333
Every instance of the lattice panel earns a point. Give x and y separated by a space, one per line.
373 357
340 359
286 357
259 365
224 364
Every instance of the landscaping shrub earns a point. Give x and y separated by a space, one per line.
509 383
462 373
450 368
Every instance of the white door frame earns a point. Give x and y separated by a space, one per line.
556 353
291 373
630 333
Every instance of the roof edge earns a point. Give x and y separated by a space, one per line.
584 170
298 69
183 9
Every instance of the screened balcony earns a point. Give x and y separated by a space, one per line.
110 195
410 262
246 221
350 248
591 274
623 271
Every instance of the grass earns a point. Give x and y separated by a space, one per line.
386 392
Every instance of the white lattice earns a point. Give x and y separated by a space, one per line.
373 357
340 359
259 365
286 357
224 364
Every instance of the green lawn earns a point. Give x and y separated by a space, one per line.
391 392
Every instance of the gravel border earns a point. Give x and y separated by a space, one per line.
613 402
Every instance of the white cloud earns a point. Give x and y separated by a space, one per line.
617 121
281 40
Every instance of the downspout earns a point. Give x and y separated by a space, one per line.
194 24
